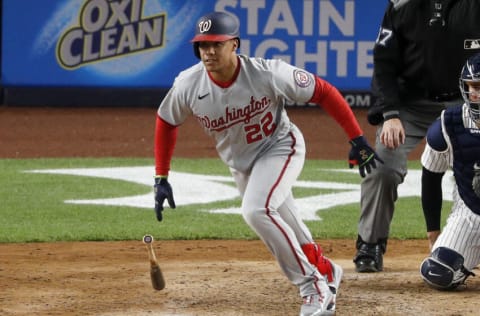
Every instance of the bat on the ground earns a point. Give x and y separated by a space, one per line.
158 282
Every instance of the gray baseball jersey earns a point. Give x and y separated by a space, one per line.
245 118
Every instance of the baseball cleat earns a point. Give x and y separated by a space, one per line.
335 284
319 304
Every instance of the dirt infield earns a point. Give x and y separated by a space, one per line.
205 277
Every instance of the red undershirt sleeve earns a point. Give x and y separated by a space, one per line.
330 99
164 144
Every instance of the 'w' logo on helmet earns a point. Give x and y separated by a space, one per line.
204 26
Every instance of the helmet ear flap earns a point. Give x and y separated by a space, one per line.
196 51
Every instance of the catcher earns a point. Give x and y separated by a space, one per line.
454 142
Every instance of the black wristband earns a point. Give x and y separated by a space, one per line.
390 116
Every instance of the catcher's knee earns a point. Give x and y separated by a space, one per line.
444 269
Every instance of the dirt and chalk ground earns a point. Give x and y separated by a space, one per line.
204 277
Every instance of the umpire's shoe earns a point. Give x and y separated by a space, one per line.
369 256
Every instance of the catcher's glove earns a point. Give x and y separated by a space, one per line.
162 190
362 155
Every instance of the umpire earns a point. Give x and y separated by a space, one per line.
418 55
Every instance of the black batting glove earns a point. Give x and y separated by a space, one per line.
362 155
162 190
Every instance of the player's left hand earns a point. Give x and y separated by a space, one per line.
362 155
163 191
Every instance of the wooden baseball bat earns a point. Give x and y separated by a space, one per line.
158 282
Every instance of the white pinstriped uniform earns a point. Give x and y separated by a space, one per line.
462 231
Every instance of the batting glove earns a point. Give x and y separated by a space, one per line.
162 190
362 155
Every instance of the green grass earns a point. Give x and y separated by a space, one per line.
33 209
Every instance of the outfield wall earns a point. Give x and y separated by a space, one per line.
128 52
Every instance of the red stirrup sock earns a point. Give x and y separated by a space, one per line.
315 256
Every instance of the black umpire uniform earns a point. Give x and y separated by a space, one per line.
418 55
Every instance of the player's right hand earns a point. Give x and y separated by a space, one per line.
162 191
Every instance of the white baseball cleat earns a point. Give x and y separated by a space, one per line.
319 304
335 284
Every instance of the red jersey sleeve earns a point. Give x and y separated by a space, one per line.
164 144
330 99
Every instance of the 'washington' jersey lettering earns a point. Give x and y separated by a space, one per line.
245 117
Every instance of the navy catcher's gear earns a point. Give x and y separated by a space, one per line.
444 269
162 191
471 74
465 144
362 155
215 27
435 137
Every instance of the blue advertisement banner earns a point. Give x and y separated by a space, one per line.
145 43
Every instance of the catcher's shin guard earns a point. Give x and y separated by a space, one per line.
444 269
315 256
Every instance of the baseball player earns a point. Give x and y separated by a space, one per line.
240 102
453 141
